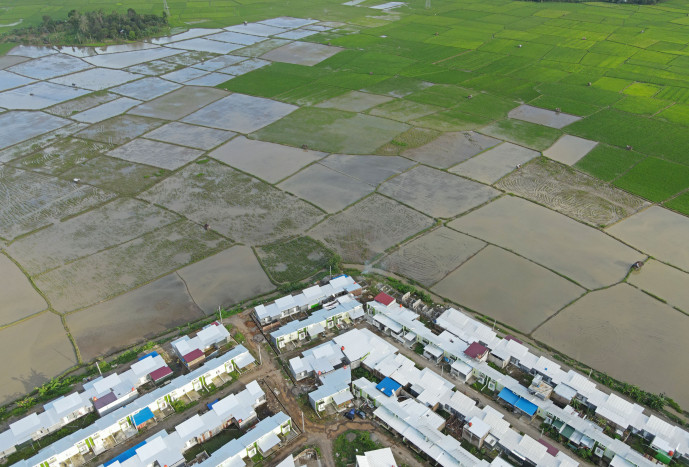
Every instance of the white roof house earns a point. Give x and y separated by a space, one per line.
208 337
378 458
290 304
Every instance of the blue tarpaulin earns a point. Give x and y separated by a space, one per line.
211 404
527 407
128 454
508 396
151 354
142 417
388 386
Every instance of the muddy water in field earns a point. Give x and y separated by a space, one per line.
666 282
509 288
622 331
19 298
132 317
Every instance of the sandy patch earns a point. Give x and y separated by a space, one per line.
571 192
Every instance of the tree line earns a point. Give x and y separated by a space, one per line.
92 26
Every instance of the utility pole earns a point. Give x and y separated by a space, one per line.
302 422
98 366
260 359
220 315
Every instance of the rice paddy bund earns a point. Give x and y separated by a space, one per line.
513 157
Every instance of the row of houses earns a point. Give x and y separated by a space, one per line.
422 428
193 351
125 422
468 346
307 299
103 395
342 310
165 448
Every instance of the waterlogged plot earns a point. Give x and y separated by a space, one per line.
326 188
31 51
206 45
621 331
495 163
105 274
35 200
288 22
241 113
582 253
236 38
120 176
30 146
19 298
38 96
569 149
16 127
179 103
50 66
666 282
296 34
184 75
257 29
80 104
373 170
571 192
190 58
146 89
156 67
545 117
211 79
132 58
155 153
225 279
62 155
111 224
96 79
528 294
527 134
134 317
234 204
658 232
10 80
430 257
7 61
294 260
437 193
106 111
332 131
370 227
354 101
243 67
451 148
302 53
217 63
189 34
120 129
190 135
267 161
46 353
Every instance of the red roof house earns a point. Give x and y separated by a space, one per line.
477 351
384 299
